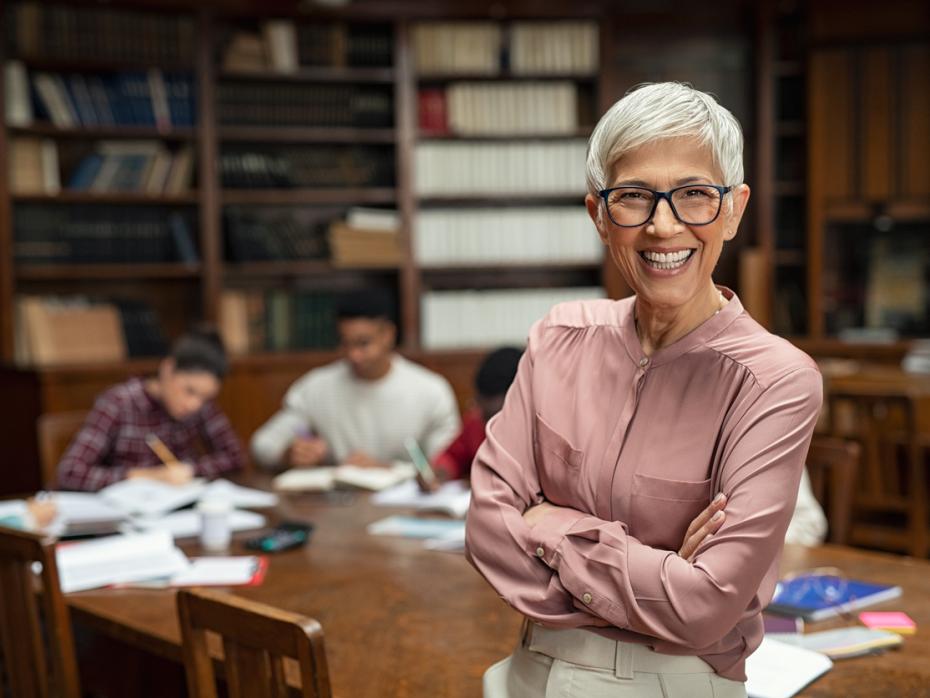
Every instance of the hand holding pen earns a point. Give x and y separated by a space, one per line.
306 449
172 471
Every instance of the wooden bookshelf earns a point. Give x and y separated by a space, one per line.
506 76
285 134
384 76
296 269
89 272
90 133
108 198
309 196
508 137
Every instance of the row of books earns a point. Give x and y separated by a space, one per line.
500 168
266 235
280 45
56 330
255 320
523 48
322 166
44 30
152 98
456 319
101 235
549 234
272 104
134 166
476 108
32 167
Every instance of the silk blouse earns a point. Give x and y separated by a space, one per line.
635 447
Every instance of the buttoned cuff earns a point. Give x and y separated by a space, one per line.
547 535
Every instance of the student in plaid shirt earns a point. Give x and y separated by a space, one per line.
176 405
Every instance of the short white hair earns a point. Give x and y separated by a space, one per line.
654 111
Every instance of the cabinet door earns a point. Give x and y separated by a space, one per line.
876 105
914 141
831 103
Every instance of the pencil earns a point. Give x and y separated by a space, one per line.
159 449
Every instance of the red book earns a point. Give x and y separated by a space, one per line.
432 110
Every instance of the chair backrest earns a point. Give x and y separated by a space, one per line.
56 431
256 639
833 466
31 670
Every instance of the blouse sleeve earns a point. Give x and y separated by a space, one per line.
504 484
695 603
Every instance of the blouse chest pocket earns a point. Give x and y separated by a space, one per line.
663 509
558 463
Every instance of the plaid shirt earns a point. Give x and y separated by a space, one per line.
112 439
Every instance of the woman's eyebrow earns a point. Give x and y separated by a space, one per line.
693 179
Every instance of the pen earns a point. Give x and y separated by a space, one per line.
159 449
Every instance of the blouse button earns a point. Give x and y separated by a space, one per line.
540 552
643 362
586 597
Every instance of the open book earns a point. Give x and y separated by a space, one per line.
778 670
327 478
150 497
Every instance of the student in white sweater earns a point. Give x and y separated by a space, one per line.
360 409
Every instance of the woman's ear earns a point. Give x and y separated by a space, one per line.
740 198
593 204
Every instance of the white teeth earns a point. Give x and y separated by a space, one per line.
666 260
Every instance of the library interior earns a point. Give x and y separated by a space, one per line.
326 326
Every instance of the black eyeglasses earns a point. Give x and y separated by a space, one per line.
692 204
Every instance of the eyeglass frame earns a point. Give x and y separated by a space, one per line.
667 195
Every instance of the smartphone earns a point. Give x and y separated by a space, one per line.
285 536
420 461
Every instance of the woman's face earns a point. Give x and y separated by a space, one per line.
664 165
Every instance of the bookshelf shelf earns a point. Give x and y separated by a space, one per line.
277 134
516 267
309 267
427 136
109 272
86 65
499 199
104 132
315 74
83 197
309 196
440 78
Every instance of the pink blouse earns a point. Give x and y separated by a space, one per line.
636 447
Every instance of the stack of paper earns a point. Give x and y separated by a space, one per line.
436 534
222 571
150 497
452 498
327 478
186 523
778 670
118 560
239 496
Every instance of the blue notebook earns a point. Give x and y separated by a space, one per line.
815 597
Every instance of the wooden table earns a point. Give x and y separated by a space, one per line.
402 621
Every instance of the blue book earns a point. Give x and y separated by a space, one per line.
86 172
814 597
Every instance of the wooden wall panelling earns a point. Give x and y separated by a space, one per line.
876 140
914 138
6 219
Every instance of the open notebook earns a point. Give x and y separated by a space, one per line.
328 478
778 670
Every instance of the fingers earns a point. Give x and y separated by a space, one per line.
709 528
718 503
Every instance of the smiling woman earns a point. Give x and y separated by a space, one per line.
633 494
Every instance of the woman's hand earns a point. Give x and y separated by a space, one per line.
538 512
705 524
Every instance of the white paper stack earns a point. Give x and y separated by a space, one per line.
118 560
778 670
327 478
239 496
186 523
452 498
150 497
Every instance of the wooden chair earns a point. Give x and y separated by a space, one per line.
833 466
31 670
56 431
892 483
256 639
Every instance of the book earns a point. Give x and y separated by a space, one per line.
323 479
843 643
805 596
242 570
17 102
187 522
894 621
57 332
150 497
779 670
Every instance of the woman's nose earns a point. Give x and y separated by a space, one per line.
663 223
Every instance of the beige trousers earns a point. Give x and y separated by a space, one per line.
575 663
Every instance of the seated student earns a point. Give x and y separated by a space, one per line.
495 374
176 405
360 409
808 525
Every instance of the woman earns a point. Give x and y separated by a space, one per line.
176 406
632 423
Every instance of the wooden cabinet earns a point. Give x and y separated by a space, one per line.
869 110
